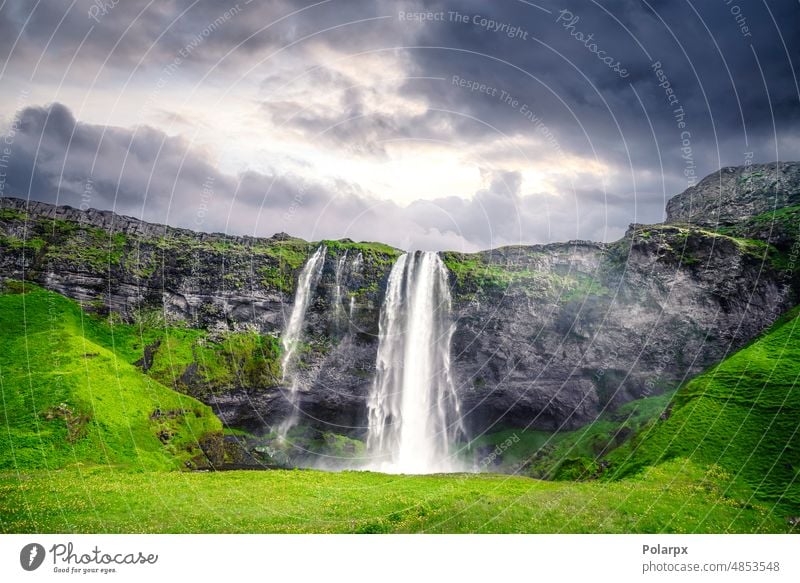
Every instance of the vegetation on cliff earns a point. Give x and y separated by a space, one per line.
519 271
741 415
69 399
123 253
691 245
565 455
192 360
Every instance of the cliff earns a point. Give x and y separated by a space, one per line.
547 336
734 194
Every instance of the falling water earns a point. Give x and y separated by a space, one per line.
414 415
352 307
359 261
338 309
293 332
355 268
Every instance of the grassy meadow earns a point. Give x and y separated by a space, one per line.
93 442
676 497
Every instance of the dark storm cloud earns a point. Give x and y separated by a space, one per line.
57 159
150 175
352 130
601 112
712 54
145 173
144 33
729 63
502 214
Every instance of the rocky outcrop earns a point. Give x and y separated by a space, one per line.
734 194
546 336
585 327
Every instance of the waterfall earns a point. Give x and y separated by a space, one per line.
359 261
293 333
355 268
414 415
352 307
338 309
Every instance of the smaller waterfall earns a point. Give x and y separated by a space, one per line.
357 263
354 268
338 309
293 333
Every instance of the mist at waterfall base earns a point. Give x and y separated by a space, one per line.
414 418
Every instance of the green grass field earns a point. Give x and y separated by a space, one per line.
676 497
90 443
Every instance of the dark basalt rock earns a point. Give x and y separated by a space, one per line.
547 336
677 303
733 194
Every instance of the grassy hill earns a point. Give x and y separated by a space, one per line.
88 440
566 455
742 415
68 399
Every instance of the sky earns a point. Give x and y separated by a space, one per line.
459 125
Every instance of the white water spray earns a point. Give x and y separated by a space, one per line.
338 309
355 268
414 415
352 307
293 333
359 261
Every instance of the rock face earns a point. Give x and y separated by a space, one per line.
734 194
587 326
546 336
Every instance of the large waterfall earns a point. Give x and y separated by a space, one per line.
292 334
414 416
